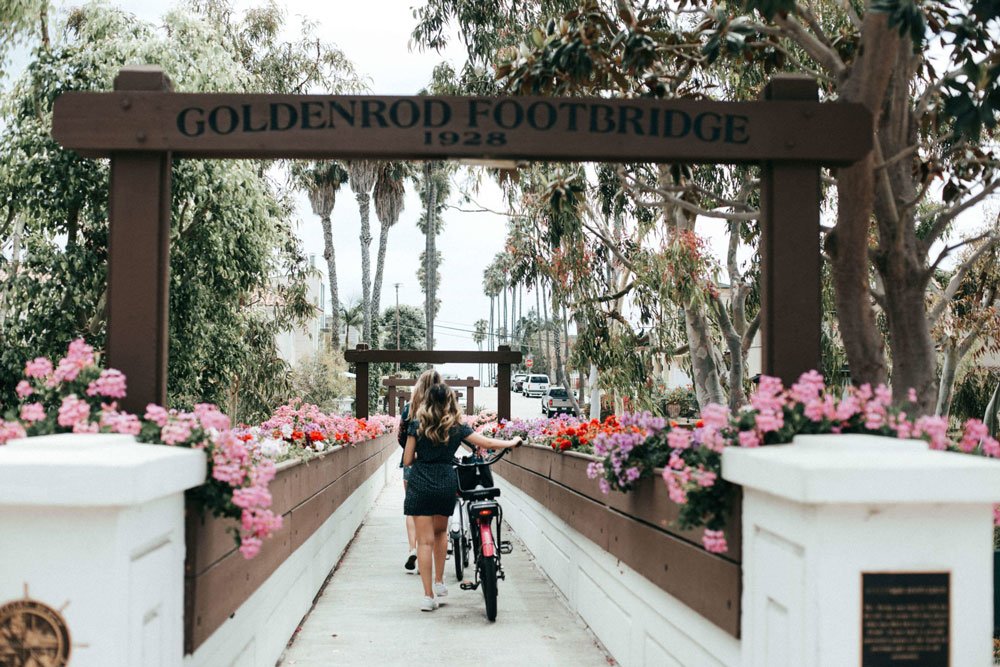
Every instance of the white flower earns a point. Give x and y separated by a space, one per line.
286 430
319 445
272 447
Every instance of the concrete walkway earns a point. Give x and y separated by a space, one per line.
369 612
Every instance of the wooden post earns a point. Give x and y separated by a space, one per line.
503 386
790 255
139 257
361 386
470 397
391 396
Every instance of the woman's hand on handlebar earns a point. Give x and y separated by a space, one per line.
517 442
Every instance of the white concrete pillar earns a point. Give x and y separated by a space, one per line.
92 526
862 550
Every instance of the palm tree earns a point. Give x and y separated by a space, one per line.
363 174
388 195
321 181
478 337
353 317
434 189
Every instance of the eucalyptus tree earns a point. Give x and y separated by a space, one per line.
928 73
321 181
362 179
238 273
389 194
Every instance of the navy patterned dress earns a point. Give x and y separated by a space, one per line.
433 485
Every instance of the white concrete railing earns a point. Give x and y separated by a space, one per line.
847 538
638 623
93 525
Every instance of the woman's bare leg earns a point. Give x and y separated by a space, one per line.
425 546
440 528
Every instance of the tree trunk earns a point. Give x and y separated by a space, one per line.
595 394
429 258
847 244
567 381
538 314
331 268
560 367
383 242
545 320
707 386
491 343
364 205
504 332
946 388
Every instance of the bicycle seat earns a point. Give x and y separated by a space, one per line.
479 493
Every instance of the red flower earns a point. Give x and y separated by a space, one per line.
298 435
699 423
315 435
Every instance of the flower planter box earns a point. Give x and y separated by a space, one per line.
217 577
636 528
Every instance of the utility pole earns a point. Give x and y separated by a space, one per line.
396 285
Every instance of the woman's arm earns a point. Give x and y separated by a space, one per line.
410 451
482 442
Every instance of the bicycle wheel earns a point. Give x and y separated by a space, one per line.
457 556
488 581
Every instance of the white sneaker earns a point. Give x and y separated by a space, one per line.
440 590
429 604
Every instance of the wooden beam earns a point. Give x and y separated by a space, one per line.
791 307
139 260
433 356
409 382
218 125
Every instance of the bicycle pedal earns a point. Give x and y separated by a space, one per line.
468 586
501 574
506 547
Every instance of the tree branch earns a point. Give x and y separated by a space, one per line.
816 49
945 218
956 279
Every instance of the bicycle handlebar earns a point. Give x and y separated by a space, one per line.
487 462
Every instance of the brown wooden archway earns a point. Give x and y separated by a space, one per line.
142 126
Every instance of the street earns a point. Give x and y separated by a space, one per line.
525 408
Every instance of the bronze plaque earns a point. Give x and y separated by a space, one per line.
32 634
905 619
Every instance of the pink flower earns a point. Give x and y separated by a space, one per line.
111 384
679 438
714 541
121 422
72 411
705 478
809 387
40 367
86 426
250 547
156 414
11 431
975 432
78 357
769 421
749 439
715 416
251 497
176 430
211 417
32 412
24 389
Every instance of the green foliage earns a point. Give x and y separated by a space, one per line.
973 394
412 332
321 380
237 272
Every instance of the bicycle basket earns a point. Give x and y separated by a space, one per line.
470 478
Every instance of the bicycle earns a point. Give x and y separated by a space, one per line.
483 512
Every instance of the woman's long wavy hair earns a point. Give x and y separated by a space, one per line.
438 414
426 380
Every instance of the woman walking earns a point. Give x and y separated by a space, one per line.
424 382
435 433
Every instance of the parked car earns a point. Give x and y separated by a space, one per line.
556 401
536 385
517 382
